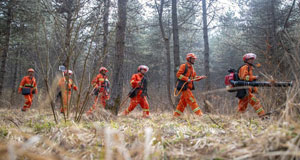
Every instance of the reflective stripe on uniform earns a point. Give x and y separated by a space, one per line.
101 79
145 110
178 111
247 78
259 110
21 86
28 85
192 99
196 109
131 81
254 99
181 76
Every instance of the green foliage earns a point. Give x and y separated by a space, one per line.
43 127
3 132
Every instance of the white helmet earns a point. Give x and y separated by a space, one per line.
249 56
143 67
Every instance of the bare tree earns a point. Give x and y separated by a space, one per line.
175 37
206 45
105 34
117 78
166 40
14 79
4 52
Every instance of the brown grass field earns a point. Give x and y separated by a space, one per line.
34 135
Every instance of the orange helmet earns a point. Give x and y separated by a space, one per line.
143 67
30 70
249 56
103 69
68 71
190 55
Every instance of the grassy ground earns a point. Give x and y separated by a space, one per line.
35 135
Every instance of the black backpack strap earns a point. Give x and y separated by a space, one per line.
186 69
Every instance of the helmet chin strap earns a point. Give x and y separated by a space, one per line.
190 61
249 63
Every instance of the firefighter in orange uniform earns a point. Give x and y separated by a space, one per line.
187 74
65 89
28 87
101 88
246 74
139 87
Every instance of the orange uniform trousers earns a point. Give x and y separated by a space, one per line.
250 98
28 101
187 98
138 100
66 96
102 97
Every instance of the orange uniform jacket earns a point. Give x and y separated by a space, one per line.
246 74
190 74
28 82
99 81
62 84
134 82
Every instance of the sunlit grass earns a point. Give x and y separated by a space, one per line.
170 138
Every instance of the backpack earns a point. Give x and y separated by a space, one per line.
232 76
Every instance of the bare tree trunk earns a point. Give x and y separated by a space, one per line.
206 46
105 34
175 37
273 28
175 41
206 54
14 80
117 77
4 52
167 47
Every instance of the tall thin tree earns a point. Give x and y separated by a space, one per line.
117 78
206 45
175 37
175 41
4 52
105 32
166 39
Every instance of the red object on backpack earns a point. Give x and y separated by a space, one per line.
228 78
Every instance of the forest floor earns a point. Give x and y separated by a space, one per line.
34 135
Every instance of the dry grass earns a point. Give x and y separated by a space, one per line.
34 135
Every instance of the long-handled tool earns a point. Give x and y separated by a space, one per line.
261 84
177 94
130 92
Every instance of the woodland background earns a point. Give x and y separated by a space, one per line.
121 35
84 35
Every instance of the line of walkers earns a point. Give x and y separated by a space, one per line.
185 84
